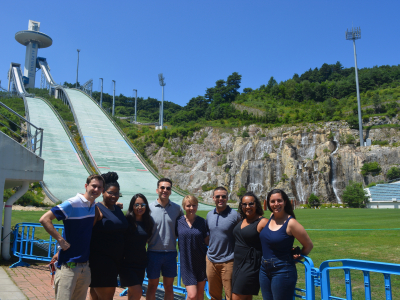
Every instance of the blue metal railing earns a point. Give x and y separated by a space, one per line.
386 269
25 243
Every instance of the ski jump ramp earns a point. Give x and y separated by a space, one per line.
64 169
64 172
110 152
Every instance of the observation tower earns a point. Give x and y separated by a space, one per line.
33 39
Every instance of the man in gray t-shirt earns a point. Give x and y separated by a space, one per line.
162 244
220 223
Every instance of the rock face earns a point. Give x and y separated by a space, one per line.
319 159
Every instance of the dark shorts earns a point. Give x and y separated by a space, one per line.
164 262
104 272
130 276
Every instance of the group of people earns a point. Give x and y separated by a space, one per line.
235 251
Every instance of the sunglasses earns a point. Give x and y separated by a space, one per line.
220 196
137 205
168 188
112 194
251 204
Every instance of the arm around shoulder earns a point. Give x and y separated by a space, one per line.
263 222
298 231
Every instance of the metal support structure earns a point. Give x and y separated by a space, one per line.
113 106
87 87
135 105
354 35
101 94
42 80
161 79
77 68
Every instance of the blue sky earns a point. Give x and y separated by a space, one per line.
195 43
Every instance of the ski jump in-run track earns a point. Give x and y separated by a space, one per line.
105 145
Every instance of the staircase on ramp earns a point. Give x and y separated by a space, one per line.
110 152
64 171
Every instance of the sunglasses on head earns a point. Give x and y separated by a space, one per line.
220 196
168 188
137 205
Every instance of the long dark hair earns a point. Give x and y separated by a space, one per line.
259 210
131 217
288 205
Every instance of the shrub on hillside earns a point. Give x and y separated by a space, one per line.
393 173
370 168
289 141
241 191
354 195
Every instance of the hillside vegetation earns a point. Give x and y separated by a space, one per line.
323 94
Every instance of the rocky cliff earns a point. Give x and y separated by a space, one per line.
317 158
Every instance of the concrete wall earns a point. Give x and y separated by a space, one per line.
18 164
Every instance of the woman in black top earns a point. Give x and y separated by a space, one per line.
107 243
248 252
135 258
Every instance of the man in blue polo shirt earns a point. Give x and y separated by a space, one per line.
220 223
73 274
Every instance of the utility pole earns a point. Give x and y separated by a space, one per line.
135 105
162 83
113 107
77 68
101 93
354 35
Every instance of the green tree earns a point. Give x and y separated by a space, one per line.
393 173
313 201
371 167
354 195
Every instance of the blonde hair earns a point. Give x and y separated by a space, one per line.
191 199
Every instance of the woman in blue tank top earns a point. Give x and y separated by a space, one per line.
278 274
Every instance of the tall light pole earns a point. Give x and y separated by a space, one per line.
354 35
101 93
161 79
113 107
77 67
135 105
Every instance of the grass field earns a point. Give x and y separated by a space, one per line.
328 231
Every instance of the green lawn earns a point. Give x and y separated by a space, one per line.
330 243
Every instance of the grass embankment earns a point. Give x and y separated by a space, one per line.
373 245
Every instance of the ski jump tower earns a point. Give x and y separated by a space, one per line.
33 39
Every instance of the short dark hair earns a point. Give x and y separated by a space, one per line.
94 176
220 188
163 180
259 210
288 205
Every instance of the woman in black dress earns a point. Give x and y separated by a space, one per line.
191 231
107 243
248 252
134 262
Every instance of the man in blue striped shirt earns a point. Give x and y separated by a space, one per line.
78 213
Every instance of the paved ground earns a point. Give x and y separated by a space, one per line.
32 282
8 289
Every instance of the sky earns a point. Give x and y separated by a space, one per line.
196 43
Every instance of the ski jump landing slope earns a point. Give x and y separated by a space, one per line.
64 173
110 152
